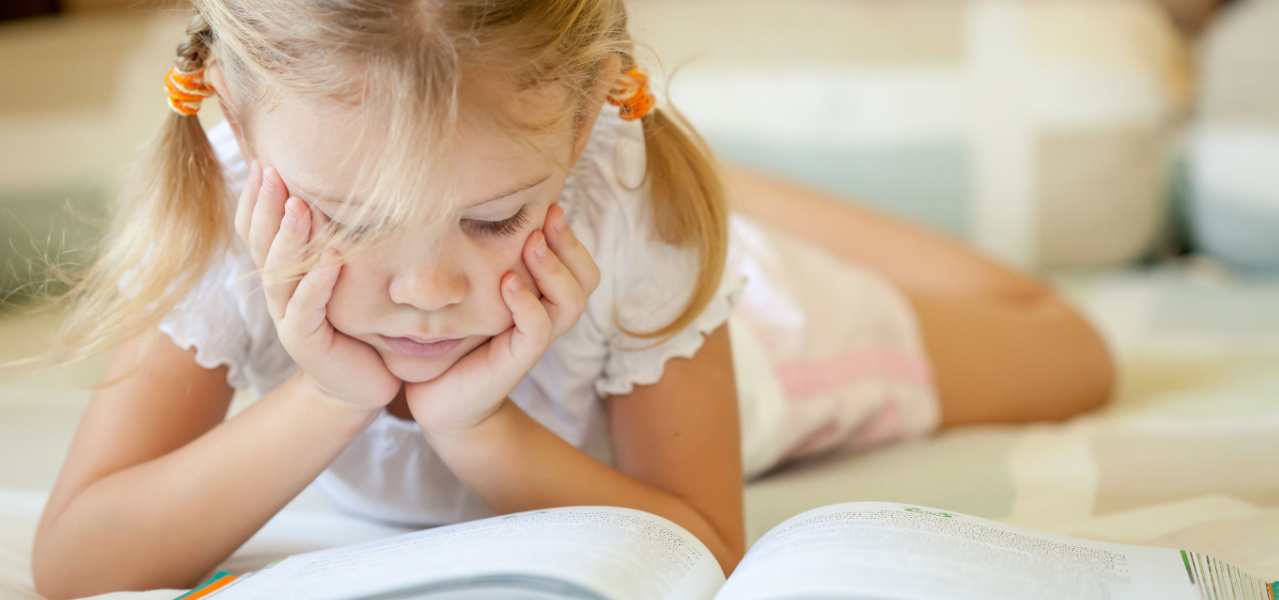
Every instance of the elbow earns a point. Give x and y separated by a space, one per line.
56 577
54 570
728 561
48 573
50 591
729 552
62 569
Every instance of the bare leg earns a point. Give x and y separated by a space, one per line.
999 362
1005 348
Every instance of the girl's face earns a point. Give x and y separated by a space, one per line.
425 301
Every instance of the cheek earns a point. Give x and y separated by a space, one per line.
513 250
521 270
490 261
361 289
508 256
354 297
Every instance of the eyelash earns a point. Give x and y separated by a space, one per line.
506 226
355 234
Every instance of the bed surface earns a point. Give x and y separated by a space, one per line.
1184 458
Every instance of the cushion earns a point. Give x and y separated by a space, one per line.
1234 150
1038 130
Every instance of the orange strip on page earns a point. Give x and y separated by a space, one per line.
212 587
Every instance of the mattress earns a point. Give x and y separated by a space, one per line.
1184 458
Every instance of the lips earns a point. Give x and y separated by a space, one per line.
420 347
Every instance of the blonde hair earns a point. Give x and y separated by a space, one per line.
401 62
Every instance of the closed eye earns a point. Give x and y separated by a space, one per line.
506 226
353 233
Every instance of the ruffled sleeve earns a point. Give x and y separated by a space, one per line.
209 321
645 282
655 294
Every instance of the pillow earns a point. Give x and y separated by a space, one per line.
1234 151
1036 129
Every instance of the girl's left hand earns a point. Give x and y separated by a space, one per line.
475 386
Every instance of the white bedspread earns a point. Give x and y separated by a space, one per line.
1185 458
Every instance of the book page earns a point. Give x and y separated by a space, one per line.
577 552
895 551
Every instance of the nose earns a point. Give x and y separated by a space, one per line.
428 284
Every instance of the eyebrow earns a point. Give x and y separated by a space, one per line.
517 189
316 198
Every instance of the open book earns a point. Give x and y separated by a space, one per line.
866 550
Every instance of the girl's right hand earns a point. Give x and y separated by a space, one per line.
276 228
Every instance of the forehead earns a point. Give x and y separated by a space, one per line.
321 145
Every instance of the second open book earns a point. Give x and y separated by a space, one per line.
874 550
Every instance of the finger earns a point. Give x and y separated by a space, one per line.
532 323
319 220
571 252
248 199
266 214
562 295
305 315
284 255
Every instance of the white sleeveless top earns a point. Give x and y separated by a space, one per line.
389 472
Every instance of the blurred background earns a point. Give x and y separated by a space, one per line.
1126 149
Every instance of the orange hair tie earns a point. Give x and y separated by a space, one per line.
632 95
186 90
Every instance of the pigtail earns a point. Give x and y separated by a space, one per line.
173 219
170 224
689 206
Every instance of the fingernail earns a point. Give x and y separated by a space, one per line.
255 170
540 248
514 284
291 211
560 222
330 258
268 182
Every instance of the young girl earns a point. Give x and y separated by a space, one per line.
467 269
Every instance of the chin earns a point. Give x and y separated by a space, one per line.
417 370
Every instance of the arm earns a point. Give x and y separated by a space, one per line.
676 446
912 257
157 489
